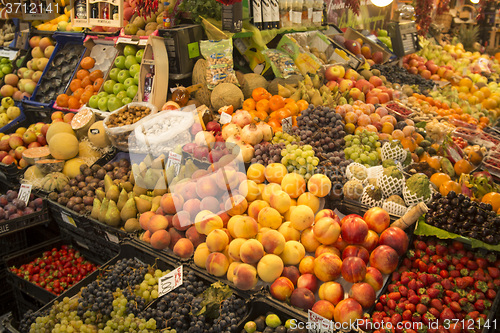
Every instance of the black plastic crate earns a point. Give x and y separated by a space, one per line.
15 242
66 217
7 227
36 113
8 302
107 233
24 303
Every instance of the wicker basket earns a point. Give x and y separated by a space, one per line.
444 20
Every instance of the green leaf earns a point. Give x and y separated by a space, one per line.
213 298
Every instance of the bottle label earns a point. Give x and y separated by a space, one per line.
266 11
257 13
296 17
309 13
317 16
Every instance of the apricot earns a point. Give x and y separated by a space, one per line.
249 189
293 184
270 268
302 217
206 221
233 249
273 242
319 185
255 207
244 227
201 255
230 270
217 240
275 172
293 253
308 240
236 205
160 239
245 277
310 200
251 251
217 264
268 190
289 232
269 217
255 172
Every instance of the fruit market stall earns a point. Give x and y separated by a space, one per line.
164 171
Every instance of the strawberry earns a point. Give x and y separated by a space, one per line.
472 265
464 260
420 245
411 293
414 300
481 286
424 299
482 305
407 315
444 273
455 307
410 307
432 269
492 258
431 279
395 295
479 275
433 293
428 318
461 283
480 295
391 304
430 250
403 291
482 262
395 276
455 327
412 284
416 317
455 297
494 272
441 248
422 266
379 306
491 294
472 315
426 258
392 288
496 282
420 284
400 308
454 273
471 296
446 284
436 303
457 245
464 271
447 300
383 299
446 314
421 309
469 280
455 260
435 312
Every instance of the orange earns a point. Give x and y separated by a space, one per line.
82 73
262 105
475 156
434 163
466 82
260 114
86 96
283 113
249 104
493 198
448 186
78 93
73 103
90 88
275 125
62 100
289 100
439 178
293 107
276 102
86 82
97 84
94 75
75 84
87 63
486 91
409 143
302 104
260 93
463 166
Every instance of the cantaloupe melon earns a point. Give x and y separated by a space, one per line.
33 174
31 155
82 121
54 181
97 135
59 127
86 151
63 146
72 167
49 165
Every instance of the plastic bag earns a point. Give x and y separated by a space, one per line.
281 63
219 57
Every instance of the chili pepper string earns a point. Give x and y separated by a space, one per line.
146 7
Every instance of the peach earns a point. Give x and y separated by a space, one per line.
306 265
230 270
377 219
261 189
171 203
233 249
280 201
268 190
374 278
354 231
206 187
210 203
144 219
244 227
275 172
302 217
302 298
227 179
217 264
363 293
340 244
282 289
393 237
308 240
327 267
146 237
194 236
384 258
293 184
292 273
236 205
217 240
326 249
249 189
158 222
200 255
174 237
187 190
160 239
255 172
356 251
292 253
206 221
324 309
326 230
371 241
255 207
182 221
289 232
270 268
309 199
348 311
270 218
331 291
288 213
245 277
308 281
184 248
325 213
353 269
251 251
319 185
225 218
273 242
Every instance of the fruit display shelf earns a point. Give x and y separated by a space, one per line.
399 110
10 226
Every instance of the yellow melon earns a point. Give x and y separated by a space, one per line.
97 135
59 127
72 167
63 146
33 174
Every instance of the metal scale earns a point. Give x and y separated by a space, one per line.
404 37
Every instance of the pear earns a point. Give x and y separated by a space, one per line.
316 98
155 203
138 190
142 204
284 92
159 162
108 182
113 193
316 81
297 95
147 161
170 174
129 210
127 186
112 217
136 170
131 179
100 194
131 195
190 168
96 208
150 179
103 210
122 199
132 225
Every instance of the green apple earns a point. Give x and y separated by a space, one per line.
132 91
129 50
94 101
126 100
121 95
5 61
129 61
103 103
114 73
7 69
135 68
123 75
2 75
138 55
118 87
128 82
108 86
136 78
102 94
114 103
120 62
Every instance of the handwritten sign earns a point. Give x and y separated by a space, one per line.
24 193
175 160
169 282
225 118
319 324
112 238
286 124
68 219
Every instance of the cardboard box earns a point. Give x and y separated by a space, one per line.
155 59
182 43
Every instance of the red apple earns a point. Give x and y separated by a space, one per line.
356 251
348 217
41 140
377 219
334 72
3 154
395 238
15 141
353 269
8 160
34 145
4 145
19 152
384 258
363 293
308 281
354 231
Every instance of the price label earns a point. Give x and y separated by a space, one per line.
11 54
126 40
112 238
139 261
174 159
143 42
225 118
317 323
286 124
24 193
169 282
82 245
68 219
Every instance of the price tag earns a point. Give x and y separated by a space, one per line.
126 41
82 245
11 54
112 238
170 281
143 42
24 193
318 324
286 124
174 159
225 118
68 219
139 261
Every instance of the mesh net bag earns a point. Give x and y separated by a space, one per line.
350 175
367 200
375 172
390 185
412 199
396 153
394 208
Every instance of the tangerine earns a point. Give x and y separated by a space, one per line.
249 104
78 93
463 166
82 73
492 198
73 103
94 75
260 93
439 178
434 163
75 84
86 96
87 63
276 102
302 104
62 100
86 82
262 105
97 84
449 186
